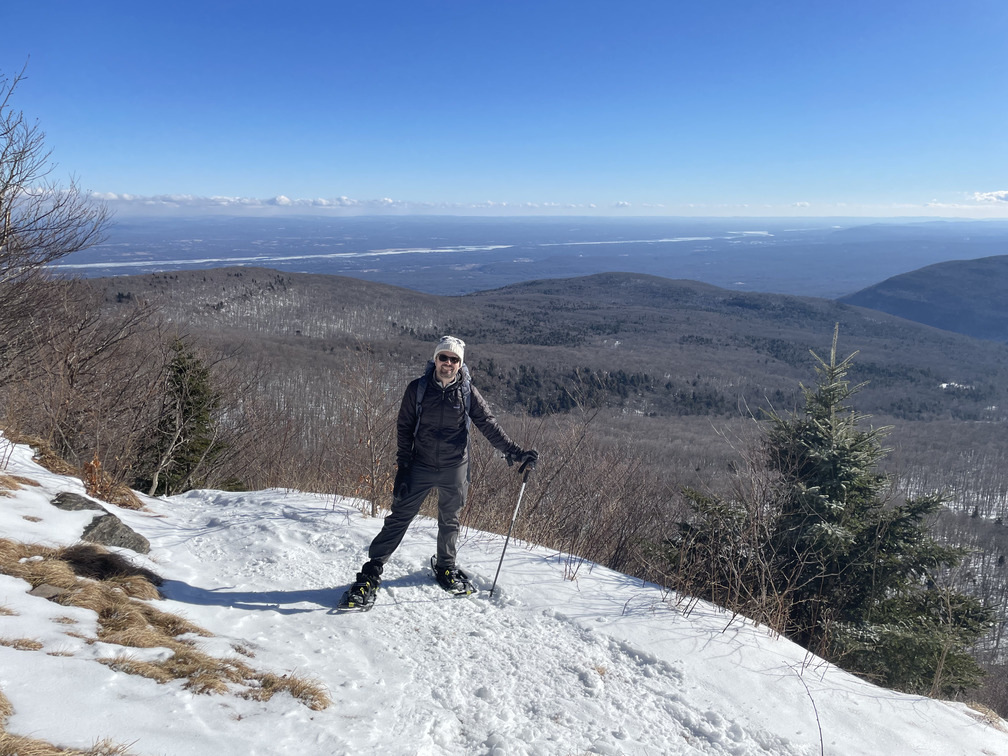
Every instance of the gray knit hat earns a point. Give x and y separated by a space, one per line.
453 345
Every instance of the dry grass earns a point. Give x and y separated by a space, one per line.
21 644
205 674
43 453
18 481
309 692
117 592
5 709
9 483
6 611
987 715
16 745
100 485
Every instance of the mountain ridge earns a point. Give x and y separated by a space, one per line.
963 296
675 331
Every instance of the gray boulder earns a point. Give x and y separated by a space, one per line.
109 530
72 502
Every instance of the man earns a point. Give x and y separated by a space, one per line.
432 434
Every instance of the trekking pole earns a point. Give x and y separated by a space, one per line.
514 517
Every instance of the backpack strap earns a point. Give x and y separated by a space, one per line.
422 387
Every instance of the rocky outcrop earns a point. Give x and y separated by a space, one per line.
109 530
71 502
105 529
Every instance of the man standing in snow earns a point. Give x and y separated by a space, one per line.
432 452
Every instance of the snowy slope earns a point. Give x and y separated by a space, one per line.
600 664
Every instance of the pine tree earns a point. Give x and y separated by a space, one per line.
860 571
184 442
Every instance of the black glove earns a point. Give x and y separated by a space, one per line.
401 484
525 459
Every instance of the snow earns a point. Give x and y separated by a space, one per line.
600 664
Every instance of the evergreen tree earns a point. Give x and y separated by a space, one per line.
184 442
862 572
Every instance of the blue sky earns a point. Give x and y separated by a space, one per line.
512 107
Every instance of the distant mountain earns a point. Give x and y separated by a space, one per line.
963 296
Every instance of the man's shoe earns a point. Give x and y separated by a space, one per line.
361 595
452 579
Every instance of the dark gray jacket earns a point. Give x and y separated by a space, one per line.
441 439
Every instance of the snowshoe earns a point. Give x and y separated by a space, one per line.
453 580
361 595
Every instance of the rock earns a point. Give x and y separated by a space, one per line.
47 591
72 502
109 530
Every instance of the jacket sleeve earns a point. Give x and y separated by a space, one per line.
483 418
406 426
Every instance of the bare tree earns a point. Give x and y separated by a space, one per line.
41 221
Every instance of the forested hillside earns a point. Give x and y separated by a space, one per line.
963 296
642 343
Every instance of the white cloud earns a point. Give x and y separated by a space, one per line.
999 196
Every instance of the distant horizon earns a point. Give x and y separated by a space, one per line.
278 207
165 209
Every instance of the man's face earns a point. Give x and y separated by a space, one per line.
447 366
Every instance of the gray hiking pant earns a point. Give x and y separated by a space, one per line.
452 485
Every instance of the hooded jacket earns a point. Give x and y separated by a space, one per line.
441 439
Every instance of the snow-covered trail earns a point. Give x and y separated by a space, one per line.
448 675
548 666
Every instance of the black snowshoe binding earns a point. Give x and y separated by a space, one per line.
361 595
453 580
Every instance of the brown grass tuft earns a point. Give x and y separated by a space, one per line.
206 682
172 624
21 644
130 666
49 572
135 586
11 552
5 709
87 594
17 745
124 623
309 692
10 482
